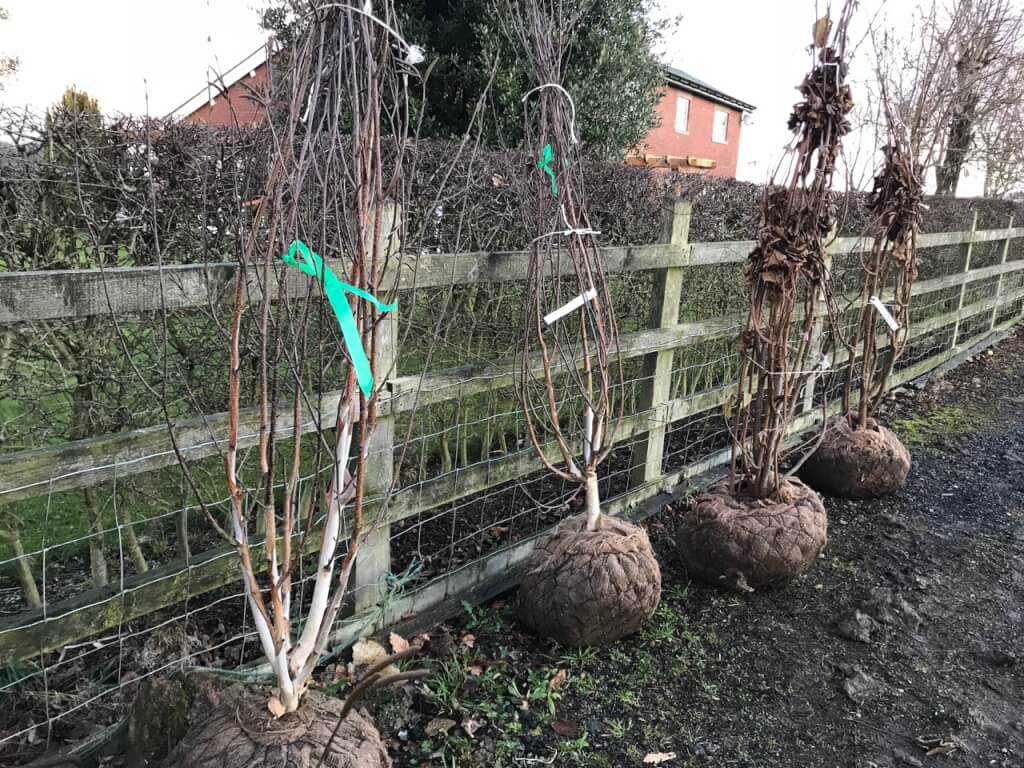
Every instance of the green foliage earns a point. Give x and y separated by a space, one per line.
611 71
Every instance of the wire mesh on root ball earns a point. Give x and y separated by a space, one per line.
745 543
585 587
236 731
857 463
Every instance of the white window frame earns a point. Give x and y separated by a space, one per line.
680 98
714 126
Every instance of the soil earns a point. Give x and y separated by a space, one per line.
906 636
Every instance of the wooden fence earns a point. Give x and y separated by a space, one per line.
79 293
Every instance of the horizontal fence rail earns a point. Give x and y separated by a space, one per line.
76 293
41 296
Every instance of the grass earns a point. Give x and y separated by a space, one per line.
945 421
519 705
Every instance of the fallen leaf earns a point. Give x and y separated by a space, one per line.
659 757
366 652
468 640
398 643
474 670
471 726
439 725
566 728
558 680
275 706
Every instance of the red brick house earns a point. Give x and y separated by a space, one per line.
699 130
236 98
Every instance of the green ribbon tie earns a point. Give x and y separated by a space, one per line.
545 164
335 289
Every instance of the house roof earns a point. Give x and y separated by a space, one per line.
687 82
218 84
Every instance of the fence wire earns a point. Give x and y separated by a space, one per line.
468 484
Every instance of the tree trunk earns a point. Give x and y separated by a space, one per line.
181 533
593 501
960 136
23 567
132 542
97 560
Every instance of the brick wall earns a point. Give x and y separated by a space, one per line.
664 140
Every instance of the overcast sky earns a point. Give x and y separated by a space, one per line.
122 50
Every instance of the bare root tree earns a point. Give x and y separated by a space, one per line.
760 527
343 142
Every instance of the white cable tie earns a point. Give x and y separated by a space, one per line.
571 306
884 312
566 233
572 106
414 54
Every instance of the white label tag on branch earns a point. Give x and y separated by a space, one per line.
884 312
573 305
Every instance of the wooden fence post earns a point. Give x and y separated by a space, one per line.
656 387
373 563
963 285
999 280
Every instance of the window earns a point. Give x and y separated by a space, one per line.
682 114
720 129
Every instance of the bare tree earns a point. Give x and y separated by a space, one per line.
569 377
1001 140
722 539
951 75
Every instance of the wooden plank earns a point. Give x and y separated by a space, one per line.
53 294
373 559
87 462
31 633
27 296
97 459
656 375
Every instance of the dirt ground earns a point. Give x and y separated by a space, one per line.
905 637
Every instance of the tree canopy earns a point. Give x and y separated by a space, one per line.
611 70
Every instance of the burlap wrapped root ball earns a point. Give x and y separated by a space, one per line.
859 463
237 731
744 543
590 587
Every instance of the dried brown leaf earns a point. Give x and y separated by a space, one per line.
566 728
398 643
659 757
558 679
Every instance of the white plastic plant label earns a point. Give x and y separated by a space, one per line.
571 306
884 312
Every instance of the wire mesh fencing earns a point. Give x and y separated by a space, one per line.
111 574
